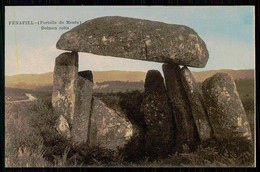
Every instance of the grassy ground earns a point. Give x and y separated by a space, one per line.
23 146
13 94
33 140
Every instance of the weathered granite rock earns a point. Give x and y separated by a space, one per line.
64 85
157 116
198 110
62 127
186 131
108 128
226 112
80 125
137 39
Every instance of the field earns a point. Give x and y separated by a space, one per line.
33 141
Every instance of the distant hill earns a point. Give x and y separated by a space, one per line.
44 81
114 75
29 81
236 74
34 81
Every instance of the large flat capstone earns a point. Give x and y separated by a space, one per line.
137 39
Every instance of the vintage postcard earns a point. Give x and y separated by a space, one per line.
143 86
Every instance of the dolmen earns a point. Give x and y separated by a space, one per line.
177 114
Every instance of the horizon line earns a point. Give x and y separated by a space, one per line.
122 71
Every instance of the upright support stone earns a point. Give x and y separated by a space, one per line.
198 110
186 131
108 128
64 86
80 125
225 109
158 116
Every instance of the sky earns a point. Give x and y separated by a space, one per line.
228 32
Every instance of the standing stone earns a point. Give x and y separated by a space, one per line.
226 112
157 116
83 106
108 128
197 108
64 85
186 131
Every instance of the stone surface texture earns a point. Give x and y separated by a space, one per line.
186 131
158 117
137 39
226 112
108 128
62 127
64 85
198 110
82 106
